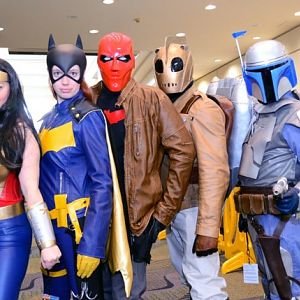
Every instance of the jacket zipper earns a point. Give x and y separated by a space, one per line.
61 175
136 134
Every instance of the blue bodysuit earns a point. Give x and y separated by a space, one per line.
76 184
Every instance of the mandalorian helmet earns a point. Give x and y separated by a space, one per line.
269 72
173 65
65 56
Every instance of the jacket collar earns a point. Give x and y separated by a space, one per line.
129 88
126 91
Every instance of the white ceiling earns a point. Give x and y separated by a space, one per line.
28 23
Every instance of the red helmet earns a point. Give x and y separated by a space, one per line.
116 60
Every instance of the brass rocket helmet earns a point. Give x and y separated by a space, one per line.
173 65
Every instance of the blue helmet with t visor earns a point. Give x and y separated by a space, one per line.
269 72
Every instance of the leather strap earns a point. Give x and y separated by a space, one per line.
189 104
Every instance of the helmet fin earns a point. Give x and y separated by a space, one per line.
175 40
171 39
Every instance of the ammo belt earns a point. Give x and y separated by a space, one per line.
255 201
10 211
63 210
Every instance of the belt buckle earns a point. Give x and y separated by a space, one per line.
71 227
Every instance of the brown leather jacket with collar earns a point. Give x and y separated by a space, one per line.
152 126
205 121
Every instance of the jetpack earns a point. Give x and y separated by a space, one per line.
236 91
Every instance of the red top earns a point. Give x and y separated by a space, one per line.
11 192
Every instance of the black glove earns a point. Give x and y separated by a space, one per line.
204 245
288 204
155 229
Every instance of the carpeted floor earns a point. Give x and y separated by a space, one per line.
163 280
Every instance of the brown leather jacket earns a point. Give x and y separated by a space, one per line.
206 123
152 126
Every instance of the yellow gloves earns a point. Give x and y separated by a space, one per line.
86 265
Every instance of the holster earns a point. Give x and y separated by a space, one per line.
270 246
271 249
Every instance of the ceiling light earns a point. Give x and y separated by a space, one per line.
218 60
1 28
108 1
210 7
257 38
93 31
297 14
180 34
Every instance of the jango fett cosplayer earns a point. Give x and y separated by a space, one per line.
271 151
75 182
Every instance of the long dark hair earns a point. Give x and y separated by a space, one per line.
14 120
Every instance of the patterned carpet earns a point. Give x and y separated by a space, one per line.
163 280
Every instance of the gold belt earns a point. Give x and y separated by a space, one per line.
10 211
48 273
63 209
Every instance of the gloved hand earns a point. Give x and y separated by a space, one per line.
86 265
288 204
205 245
155 229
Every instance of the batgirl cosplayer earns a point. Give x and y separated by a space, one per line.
19 174
75 178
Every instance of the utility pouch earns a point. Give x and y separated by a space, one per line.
255 201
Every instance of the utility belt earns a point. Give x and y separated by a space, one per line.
255 201
13 210
63 210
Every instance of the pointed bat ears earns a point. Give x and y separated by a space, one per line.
51 42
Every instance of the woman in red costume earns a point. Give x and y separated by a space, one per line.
19 176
